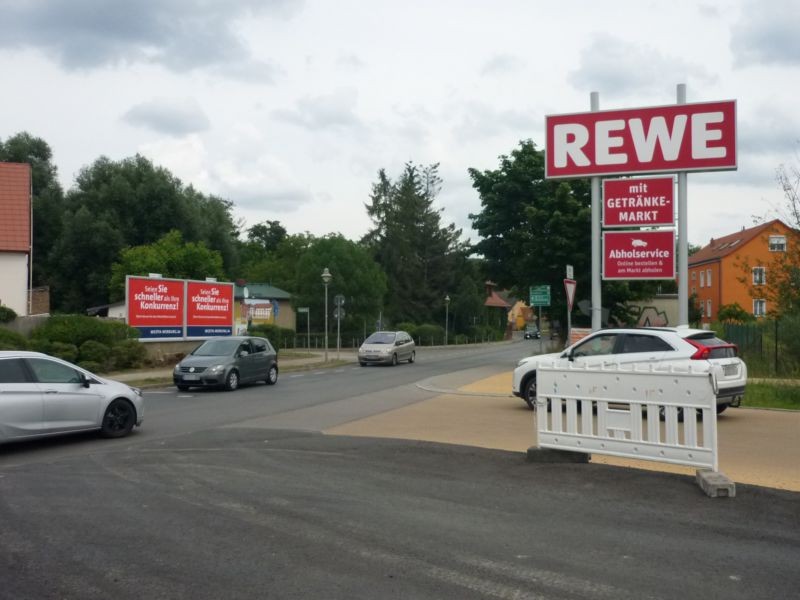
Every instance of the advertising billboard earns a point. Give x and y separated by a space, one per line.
209 309
638 202
639 254
155 307
662 139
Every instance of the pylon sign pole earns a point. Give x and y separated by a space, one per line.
569 287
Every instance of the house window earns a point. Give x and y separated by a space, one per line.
694 290
708 277
777 243
759 276
759 307
708 308
694 275
702 279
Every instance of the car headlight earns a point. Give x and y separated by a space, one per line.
522 362
217 369
177 368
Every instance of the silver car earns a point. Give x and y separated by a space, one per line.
41 395
228 362
387 348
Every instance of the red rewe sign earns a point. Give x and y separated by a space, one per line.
638 202
209 309
678 137
639 254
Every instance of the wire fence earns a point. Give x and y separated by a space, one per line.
316 341
769 347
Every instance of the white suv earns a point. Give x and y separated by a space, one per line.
662 346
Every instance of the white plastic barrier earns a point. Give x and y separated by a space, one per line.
629 403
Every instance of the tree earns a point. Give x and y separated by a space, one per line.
733 313
531 228
47 195
132 203
267 235
421 258
279 267
171 257
356 276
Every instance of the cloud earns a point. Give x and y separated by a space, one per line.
177 34
767 32
330 111
502 64
171 117
479 120
772 131
617 69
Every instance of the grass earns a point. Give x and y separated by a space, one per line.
772 395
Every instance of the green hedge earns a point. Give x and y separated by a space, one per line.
11 340
77 329
276 335
7 314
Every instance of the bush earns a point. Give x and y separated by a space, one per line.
94 352
77 329
68 352
11 340
90 365
276 335
409 328
41 345
7 314
128 354
430 334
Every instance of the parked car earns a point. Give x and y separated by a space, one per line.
41 396
228 362
659 346
387 347
532 332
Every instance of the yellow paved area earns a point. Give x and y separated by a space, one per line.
760 447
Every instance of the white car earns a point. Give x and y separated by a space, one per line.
661 346
41 395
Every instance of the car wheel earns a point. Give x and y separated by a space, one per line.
412 357
721 408
363 364
272 376
232 380
394 360
183 388
530 392
119 419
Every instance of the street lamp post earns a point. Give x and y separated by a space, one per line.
326 279
446 317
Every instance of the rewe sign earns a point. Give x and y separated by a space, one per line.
663 139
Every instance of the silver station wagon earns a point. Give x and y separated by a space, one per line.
41 395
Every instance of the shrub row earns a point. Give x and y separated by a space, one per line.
92 343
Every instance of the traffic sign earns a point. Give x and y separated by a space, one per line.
338 300
302 309
338 313
569 287
540 295
570 272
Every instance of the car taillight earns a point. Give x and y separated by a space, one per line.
702 353
718 351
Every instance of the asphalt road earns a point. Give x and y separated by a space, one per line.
200 504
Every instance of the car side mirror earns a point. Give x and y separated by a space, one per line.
243 353
398 343
85 381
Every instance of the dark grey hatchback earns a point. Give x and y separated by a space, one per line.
228 362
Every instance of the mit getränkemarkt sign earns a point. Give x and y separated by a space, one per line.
641 202
661 139
639 254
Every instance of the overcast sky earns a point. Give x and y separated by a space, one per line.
289 108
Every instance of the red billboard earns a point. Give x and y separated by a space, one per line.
209 308
639 254
663 139
155 306
638 202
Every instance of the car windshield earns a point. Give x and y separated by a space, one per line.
217 348
380 337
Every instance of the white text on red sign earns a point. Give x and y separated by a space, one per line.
638 202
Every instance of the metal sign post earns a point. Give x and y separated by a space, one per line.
338 300
301 310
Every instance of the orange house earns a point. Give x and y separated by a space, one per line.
733 269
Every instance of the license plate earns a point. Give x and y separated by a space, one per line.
191 377
730 370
